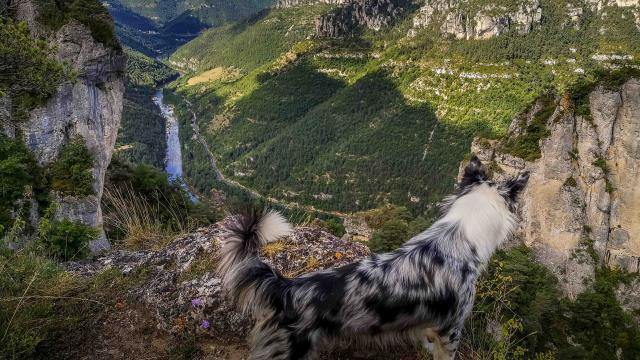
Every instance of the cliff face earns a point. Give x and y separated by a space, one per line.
91 107
290 3
583 193
465 22
473 20
347 19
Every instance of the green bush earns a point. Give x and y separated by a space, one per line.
390 236
594 326
527 145
394 232
141 195
27 74
18 175
91 13
72 173
65 239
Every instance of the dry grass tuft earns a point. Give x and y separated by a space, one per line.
271 249
144 224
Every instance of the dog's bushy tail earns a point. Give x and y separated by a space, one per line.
252 284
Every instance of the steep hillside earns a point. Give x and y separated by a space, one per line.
382 114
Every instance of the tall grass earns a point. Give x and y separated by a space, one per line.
144 223
495 331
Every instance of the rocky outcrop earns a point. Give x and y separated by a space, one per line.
477 20
463 21
349 18
290 3
582 198
90 106
180 285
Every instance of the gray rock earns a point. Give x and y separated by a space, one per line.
90 107
182 289
559 217
347 19
291 3
461 21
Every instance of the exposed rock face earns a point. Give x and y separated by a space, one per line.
357 229
462 21
473 20
291 3
584 187
90 107
346 20
181 286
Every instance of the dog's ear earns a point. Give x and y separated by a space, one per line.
474 173
517 184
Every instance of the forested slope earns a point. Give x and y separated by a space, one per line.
378 116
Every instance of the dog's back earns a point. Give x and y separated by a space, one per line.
423 291
381 300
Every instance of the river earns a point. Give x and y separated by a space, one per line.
173 159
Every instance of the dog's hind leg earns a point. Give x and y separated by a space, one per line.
446 344
428 339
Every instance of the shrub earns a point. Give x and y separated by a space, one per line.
144 210
27 74
527 145
65 239
72 173
17 173
91 13
335 227
390 236
143 223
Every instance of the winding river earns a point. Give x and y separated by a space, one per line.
173 159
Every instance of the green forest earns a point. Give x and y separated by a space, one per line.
378 118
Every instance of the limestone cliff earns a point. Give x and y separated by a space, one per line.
471 19
89 106
350 17
290 3
583 194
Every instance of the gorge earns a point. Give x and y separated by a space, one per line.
351 117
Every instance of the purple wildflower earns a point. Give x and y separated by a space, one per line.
196 302
205 324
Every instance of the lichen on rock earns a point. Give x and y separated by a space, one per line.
182 288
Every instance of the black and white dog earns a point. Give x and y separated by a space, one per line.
423 291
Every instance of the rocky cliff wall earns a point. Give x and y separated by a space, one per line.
349 18
474 20
583 197
90 106
291 3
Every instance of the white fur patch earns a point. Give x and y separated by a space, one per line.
273 226
485 218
